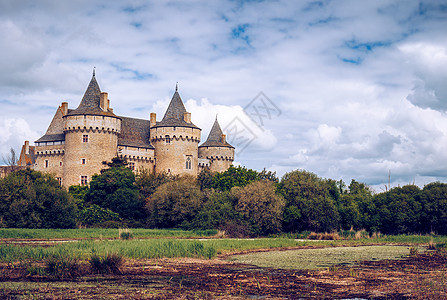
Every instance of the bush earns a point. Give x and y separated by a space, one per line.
62 267
125 234
109 264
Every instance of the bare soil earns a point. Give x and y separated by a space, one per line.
423 276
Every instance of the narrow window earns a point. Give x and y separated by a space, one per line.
60 163
83 161
132 166
46 163
59 179
167 139
85 138
83 180
188 162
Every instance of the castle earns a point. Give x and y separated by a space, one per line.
77 141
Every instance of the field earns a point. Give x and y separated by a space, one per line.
179 264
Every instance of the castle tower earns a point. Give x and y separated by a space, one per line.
175 139
216 150
91 136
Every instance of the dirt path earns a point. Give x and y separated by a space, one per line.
420 277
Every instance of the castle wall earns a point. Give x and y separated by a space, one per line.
220 158
50 159
89 140
174 146
138 158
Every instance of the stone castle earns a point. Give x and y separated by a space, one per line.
79 140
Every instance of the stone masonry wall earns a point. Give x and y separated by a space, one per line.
173 147
220 158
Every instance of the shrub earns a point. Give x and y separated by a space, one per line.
109 264
62 267
125 234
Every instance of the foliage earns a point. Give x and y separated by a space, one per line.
114 189
175 204
433 200
148 181
260 206
107 264
94 214
234 176
31 199
310 203
62 267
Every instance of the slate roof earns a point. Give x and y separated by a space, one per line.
135 133
90 102
51 138
174 114
215 137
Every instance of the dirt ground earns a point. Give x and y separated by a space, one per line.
423 276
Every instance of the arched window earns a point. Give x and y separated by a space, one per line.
188 162
167 139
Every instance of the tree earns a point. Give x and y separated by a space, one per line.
175 204
115 189
309 202
260 206
433 199
148 181
11 161
31 199
232 177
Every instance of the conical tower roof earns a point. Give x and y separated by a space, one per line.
215 137
174 115
90 103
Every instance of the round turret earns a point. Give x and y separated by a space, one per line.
91 136
176 140
217 153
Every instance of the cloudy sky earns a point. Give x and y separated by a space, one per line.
344 89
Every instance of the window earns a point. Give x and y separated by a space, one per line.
59 179
46 163
132 166
188 162
60 163
85 138
83 180
167 139
83 161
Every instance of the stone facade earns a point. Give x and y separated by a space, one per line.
78 141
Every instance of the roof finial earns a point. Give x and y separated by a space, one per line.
176 86
94 71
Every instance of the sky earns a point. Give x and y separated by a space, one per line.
344 89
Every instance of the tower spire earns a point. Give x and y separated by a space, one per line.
176 86
94 68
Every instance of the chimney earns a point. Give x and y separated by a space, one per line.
187 117
153 119
224 138
64 108
27 147
103 101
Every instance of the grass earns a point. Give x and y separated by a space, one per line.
321 258
99 233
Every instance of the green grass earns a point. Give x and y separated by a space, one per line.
98 233
321 258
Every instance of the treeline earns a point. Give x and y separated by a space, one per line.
241 201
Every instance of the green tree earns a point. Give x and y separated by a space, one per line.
31 199
115 189
309 202
234 176
148 181
175 204
260 206
433 199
